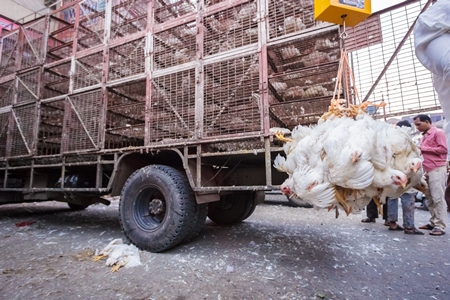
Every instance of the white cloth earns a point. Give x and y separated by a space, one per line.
432 44
430 25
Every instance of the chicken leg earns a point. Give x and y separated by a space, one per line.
341 199
98 257
279 135
116 267
378 203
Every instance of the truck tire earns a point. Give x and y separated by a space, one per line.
296 202
198 223
231 209
256 198
157 208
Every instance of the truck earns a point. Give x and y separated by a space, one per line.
169 104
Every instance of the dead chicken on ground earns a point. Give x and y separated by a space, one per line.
119 255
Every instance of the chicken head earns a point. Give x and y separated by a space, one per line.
399 178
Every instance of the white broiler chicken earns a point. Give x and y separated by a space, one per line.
308 185
119 255
348 159
349 150
290 163
407 155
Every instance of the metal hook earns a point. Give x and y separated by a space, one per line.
343 34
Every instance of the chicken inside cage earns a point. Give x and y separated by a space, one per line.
302 79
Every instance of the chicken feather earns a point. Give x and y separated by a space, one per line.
309 186
118 255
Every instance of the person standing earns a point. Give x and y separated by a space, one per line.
408 206
434 151
372 213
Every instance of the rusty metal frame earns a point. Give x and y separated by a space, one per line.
203 145
402 82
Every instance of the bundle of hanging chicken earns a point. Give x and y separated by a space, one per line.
348 159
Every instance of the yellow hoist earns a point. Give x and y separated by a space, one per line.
342 12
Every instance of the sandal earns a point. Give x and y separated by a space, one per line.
427 227
397 228
437 231
413 231
368 220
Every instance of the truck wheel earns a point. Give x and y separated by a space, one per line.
157 208
231 209
256 198
198 223
298 202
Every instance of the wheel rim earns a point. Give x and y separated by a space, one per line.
227 205
150 208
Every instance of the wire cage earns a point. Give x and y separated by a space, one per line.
50 127
288 17
125 118
302 78
405 85
137 73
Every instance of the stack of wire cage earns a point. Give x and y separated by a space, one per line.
93 78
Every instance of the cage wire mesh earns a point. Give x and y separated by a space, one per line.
28 86
56 80
60 38
175 46
302 78
6 93
172 111
301 75
127 59
92 24
4 120
231 28
50 127
128 17
33 50
8 56
125 119
231 97
406 87
22 131
83 122
166 10
290 16
88 71
212 2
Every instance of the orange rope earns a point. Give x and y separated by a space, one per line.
345 73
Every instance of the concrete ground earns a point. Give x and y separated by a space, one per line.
280 252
